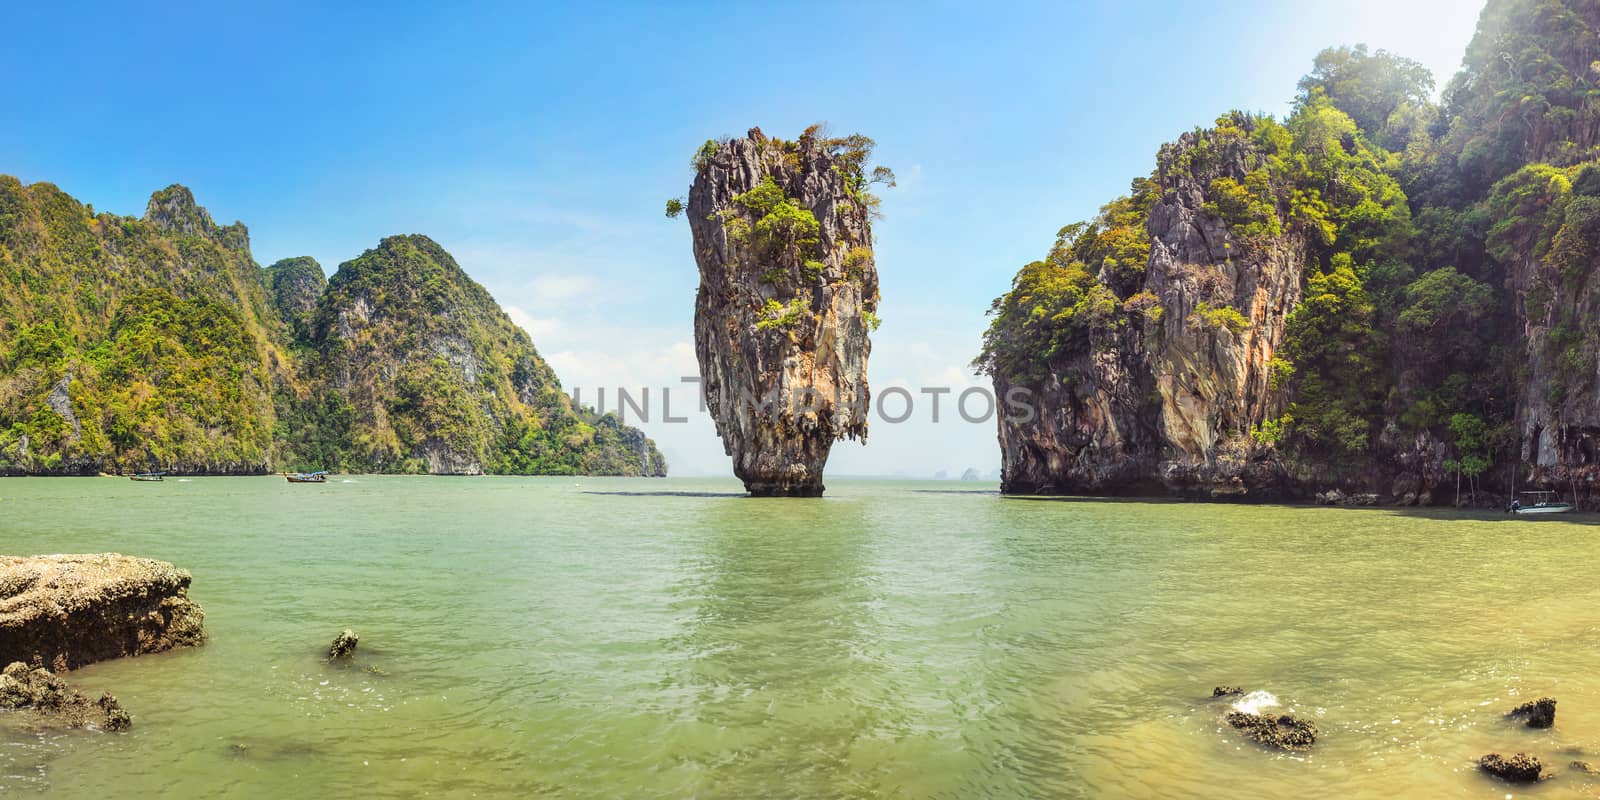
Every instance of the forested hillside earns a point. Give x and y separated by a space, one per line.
158 343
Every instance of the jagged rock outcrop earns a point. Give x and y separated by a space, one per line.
64 611
1539 713
52 703
1282 732
787 300
1520 768
344 644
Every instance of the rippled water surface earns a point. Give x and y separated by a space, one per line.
665 638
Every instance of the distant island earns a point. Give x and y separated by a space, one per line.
157 343
1379 297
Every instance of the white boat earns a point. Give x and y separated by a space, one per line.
1540 503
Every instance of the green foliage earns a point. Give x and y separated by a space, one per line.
1527 207
1337 355
783 230
702 157
1271 432
1526 91
675 207
45 344
778 316
787 229
762 198
1214 318
1576 244
1144 305
1249 208
872 320
851 154
1587 181
1279 372
1443 300
296 284
1044 317
856 261
1388 97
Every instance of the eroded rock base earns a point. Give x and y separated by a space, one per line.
49 701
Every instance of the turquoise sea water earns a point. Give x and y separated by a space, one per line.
601 638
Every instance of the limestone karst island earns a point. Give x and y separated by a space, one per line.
1232 375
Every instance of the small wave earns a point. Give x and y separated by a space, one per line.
347 480
185 480
1255 701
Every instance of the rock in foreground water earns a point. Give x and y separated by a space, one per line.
1226 691
344 644
64 611
1284 732
1540 713
1520 768
52 702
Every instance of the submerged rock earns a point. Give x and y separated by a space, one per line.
116 718
787 300
344 644
1520 768
1284 732
52 702
1540 713
1585 767
64 611
1226 691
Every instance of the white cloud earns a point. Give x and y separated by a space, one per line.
536 328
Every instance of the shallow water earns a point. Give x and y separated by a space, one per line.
661 638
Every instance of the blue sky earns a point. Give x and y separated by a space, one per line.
538 144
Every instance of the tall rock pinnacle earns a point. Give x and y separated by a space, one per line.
788 291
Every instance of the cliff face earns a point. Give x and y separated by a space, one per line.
157 343
1163 396
1401 309
1553 249
788 291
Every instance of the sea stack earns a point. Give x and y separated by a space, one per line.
787 300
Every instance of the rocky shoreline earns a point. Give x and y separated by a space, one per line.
64 611
1250 713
